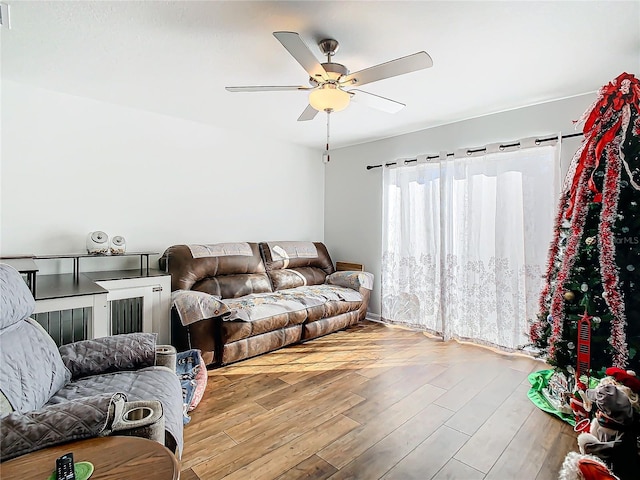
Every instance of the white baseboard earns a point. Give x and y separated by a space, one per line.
373 317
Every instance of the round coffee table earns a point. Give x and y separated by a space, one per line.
114 458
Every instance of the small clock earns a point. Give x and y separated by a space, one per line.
118 245
97 243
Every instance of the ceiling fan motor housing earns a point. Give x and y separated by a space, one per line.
328 46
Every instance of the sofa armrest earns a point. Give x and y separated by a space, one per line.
166 356
53 424
130 351
351 279
349 266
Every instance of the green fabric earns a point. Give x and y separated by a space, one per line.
538 381
83 471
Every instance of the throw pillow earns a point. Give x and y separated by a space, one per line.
129 351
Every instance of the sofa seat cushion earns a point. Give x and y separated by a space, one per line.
233 331
330 309
151 383
323 326
259 344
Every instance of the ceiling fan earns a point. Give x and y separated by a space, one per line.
329 80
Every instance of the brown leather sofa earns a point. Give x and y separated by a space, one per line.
237 300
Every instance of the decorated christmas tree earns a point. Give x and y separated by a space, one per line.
589 315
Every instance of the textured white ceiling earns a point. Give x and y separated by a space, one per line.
175 58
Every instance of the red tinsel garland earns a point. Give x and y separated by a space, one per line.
577 226
608 268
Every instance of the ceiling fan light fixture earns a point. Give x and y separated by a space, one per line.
329 97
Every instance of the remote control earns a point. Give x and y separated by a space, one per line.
65 467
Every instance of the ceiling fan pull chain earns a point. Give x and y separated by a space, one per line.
327 156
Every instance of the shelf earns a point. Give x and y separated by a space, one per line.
91 255
75 284
66 285
122 274
77 256
24 264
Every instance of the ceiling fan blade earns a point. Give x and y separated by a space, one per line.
299 50
376 101
308 114
399 66
257 88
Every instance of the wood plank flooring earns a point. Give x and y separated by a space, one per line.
374 402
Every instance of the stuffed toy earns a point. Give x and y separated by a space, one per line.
625 377
609 449
581 407
577 466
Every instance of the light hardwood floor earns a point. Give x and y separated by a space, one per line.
374 402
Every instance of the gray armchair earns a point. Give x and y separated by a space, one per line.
112 385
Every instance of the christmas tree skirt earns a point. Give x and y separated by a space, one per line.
539 381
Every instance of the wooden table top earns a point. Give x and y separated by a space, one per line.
114 458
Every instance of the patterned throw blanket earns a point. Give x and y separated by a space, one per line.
192 373
193 306
220 250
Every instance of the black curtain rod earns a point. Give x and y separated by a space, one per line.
478 150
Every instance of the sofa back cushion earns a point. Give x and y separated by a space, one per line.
31 369
16 300
294 264
227 270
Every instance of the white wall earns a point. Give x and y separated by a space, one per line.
71 165
353 195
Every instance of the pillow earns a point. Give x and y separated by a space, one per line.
129 351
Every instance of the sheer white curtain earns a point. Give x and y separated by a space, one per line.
465 242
